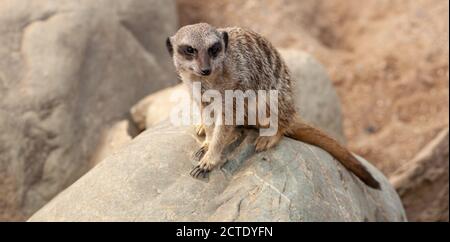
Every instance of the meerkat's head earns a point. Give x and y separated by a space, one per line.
198 50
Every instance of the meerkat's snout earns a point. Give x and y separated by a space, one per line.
203 63
206 72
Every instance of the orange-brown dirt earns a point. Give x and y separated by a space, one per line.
387 59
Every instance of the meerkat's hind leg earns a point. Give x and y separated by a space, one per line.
263 143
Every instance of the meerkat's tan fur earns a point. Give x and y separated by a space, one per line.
239 59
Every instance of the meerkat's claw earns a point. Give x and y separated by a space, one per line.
197 171
263 143
200 130
198 155
205 165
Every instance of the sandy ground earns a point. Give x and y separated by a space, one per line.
387 59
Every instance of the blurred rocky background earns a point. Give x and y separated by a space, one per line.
70 71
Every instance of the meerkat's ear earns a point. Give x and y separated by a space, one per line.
225 39
169 46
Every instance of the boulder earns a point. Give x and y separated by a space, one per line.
316 99
422 183
148 180
69 69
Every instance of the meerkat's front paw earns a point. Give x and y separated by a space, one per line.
200 130
198 155
263 143
204 166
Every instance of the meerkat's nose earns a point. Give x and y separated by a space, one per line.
205 72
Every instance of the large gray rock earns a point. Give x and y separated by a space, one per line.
68 69
316 99
148 180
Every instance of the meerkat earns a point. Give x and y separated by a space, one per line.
239 59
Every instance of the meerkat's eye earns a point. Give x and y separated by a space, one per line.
190 50
186 50
215 49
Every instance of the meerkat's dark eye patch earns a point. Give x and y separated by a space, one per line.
215 49
187 51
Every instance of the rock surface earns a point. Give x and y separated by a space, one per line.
422 183
316 99
68 69
148 180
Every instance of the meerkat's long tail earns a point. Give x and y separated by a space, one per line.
311 135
